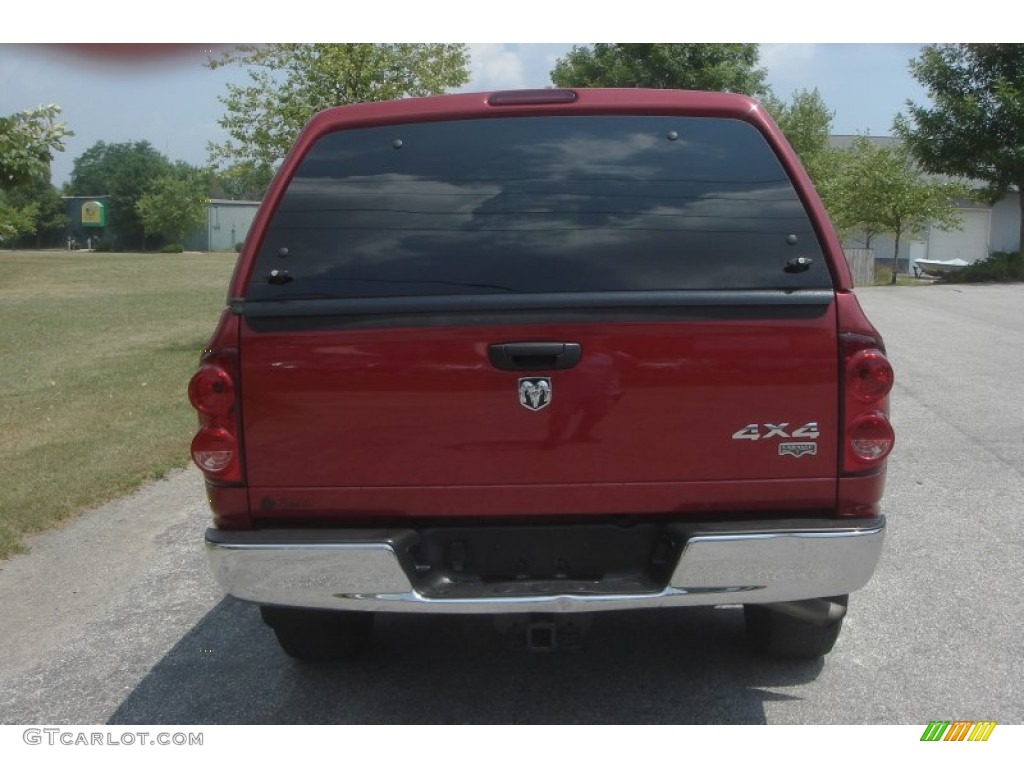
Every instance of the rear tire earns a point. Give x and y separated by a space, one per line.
787 637
314 636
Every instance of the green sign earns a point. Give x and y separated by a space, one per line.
94 214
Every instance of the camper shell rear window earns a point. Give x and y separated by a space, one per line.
538 205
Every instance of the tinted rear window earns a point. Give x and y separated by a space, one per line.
538 205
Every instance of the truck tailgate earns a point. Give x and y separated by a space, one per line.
709 409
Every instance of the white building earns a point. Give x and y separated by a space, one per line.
227 224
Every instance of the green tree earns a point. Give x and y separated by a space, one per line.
881 189
16 221
27 142
694 66
174 205
241 181
125 172
51 217
289 83
975 128
807 123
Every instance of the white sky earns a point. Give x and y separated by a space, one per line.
172 101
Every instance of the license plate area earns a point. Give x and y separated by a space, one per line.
534 559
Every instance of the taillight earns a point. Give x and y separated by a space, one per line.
213 392
868 436
869 376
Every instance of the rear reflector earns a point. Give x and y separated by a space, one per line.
870 438
532 96
214 450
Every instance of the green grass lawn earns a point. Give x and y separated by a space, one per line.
883 276
95 354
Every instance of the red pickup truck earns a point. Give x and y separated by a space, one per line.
540 353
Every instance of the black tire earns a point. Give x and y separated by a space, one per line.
312 635
787 637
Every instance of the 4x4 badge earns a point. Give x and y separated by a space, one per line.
535 393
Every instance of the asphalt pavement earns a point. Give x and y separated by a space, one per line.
116 619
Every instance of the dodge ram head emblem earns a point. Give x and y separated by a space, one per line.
535 393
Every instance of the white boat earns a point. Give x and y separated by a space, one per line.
939 268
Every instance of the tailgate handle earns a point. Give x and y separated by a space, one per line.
534 355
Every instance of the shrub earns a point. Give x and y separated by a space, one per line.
1000 267
238 247
173 248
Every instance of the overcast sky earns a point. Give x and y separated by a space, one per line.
172 101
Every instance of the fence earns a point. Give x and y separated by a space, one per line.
862 264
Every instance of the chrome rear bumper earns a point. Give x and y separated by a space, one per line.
369 570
